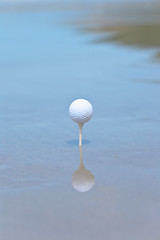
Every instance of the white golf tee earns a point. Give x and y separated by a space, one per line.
80 133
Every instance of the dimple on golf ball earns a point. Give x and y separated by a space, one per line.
81 111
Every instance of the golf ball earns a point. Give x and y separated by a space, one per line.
81 111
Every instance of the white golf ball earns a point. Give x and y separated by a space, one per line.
81 111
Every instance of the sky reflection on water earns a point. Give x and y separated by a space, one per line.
45 64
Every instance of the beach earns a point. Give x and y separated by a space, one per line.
48 59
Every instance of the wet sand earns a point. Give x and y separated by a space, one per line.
44 66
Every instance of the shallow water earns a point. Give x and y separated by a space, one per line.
45 63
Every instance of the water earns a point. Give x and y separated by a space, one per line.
48 59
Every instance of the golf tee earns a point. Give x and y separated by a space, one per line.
80 134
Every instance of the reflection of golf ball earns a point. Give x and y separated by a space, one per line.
81 111
83 180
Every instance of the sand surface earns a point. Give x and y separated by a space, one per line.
44 66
